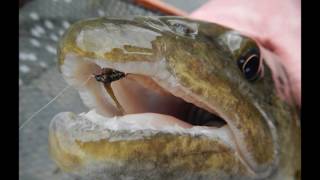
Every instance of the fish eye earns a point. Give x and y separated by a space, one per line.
250 64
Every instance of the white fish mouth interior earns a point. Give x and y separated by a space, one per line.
146 104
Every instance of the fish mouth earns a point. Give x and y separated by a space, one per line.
153 103
159 112
140 92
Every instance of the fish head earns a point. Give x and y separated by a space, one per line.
200 100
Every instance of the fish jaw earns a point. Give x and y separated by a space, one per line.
253 136
95 146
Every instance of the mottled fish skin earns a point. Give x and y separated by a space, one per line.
202 57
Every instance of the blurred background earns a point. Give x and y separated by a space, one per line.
41 24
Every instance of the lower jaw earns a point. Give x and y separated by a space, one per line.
89 144
92 126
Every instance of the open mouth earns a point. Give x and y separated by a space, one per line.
136 94
141 94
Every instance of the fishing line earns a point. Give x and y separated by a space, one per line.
51 101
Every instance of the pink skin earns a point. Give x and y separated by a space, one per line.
275 24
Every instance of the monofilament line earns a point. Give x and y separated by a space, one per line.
43 107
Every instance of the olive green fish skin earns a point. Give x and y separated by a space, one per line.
203 58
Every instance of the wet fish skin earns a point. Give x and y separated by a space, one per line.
203 58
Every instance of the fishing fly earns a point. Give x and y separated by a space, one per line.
107 76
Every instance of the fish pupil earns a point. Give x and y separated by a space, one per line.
251 68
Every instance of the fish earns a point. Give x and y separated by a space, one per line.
185 99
